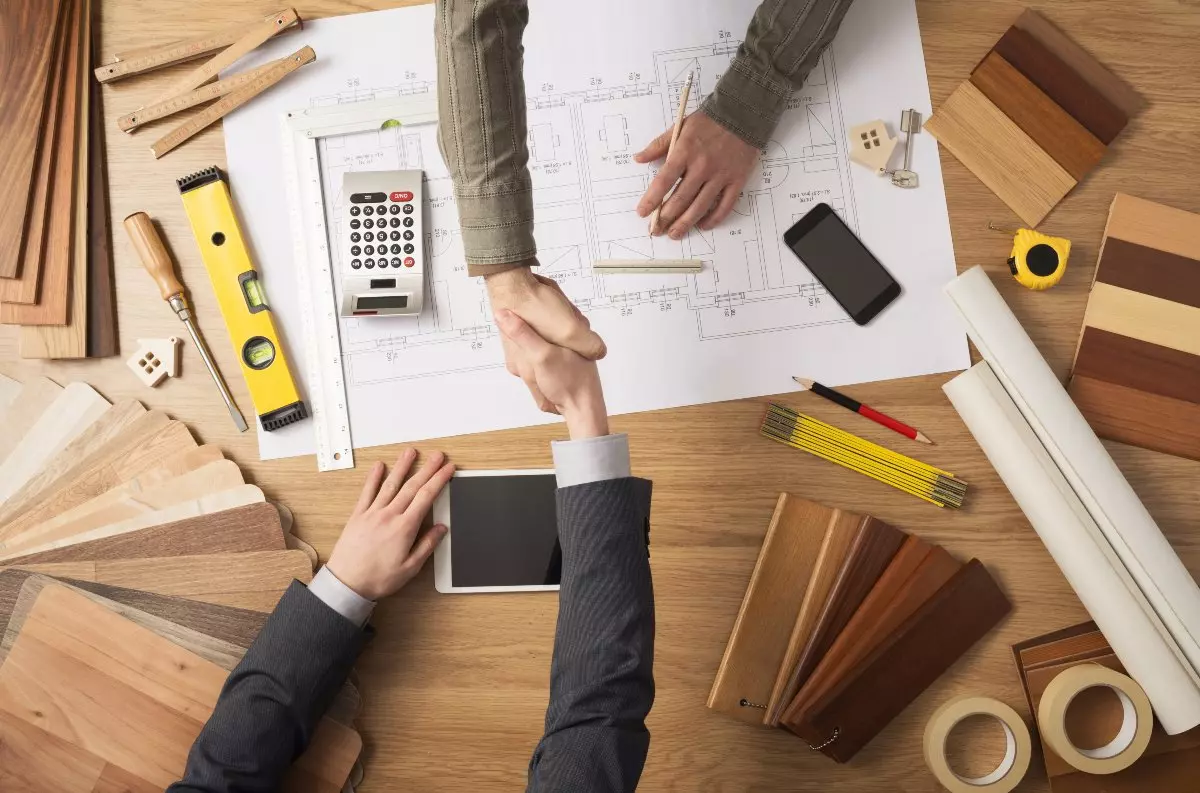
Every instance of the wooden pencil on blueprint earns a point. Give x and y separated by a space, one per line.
683 100
863 410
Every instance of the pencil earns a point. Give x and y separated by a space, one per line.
863 410
683 100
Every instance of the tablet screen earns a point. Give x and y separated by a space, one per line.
504 531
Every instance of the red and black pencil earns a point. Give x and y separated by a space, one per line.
862 410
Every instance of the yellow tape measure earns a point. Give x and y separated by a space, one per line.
243 304
1038 260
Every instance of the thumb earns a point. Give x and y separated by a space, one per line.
657 148
519 332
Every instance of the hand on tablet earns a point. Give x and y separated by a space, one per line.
560 380
382 546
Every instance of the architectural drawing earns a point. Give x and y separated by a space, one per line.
586 185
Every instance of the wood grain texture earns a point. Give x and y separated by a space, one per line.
76 408
1154 225
875 545
33 761
102 336
26 54
35 397
240 496
213 477
997 151
759 638
24 287
1150 271
1167 425
252 527
115 689
1081 62
9 389
110 425
1120 360
1144 317
839 539
124 458
253 581
926 644
1064 85
54 291
69 339
1052 128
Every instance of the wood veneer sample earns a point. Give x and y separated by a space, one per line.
875 545
1081 62
26 55
254 527
997 151
1061 83
131 698
1138 315
839 538
1071 145
1148 270
76 408
925 645
34 399
115 421
1121 360
1139 418
9 389
102 337
1154 225
53 293
760 633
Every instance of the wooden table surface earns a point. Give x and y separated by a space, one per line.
455 687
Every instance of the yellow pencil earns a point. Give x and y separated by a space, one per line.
683 100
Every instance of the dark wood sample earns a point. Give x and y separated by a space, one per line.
1121 360
925 645
102 337
1077 58
1171 426
254 527
873 550
1071 145
1149 271
1062 84
27 45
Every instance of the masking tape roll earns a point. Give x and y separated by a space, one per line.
1136 724
1017 753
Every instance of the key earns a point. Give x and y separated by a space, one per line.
910 124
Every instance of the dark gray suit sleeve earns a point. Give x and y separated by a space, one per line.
273 699
601 681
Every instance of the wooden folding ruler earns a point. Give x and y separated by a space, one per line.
195 87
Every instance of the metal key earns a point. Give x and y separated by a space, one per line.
910 124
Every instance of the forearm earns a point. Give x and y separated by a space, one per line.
482 129
783 44
273 700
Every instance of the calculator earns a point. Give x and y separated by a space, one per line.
382 243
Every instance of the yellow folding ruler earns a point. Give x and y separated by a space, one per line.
195 87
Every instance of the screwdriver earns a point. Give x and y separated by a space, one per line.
158 263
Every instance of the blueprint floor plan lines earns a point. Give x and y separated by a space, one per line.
674 339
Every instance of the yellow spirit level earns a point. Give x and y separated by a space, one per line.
243 304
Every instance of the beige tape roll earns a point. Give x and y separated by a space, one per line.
1012 768
1136 724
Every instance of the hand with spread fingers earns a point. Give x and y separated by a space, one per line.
382 547
710 164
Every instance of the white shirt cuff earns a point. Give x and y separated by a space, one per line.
341 598
591 459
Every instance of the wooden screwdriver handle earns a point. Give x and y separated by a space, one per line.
153 253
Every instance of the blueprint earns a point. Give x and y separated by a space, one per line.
753 318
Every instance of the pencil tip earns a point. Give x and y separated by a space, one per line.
923 438
804 381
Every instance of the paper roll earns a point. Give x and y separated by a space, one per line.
1090 566
1136 724
1017 752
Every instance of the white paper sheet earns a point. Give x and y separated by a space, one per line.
602 79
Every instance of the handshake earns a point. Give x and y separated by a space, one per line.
550 345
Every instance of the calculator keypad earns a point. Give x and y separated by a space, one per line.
381 228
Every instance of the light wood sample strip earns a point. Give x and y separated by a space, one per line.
77 407
1144 317
1154 225
26 52
1004 158
130 697
9 389
34 399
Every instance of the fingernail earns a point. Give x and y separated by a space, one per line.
676 234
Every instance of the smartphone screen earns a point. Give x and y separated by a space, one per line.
843 265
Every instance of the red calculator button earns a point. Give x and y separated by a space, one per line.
409 261
402 195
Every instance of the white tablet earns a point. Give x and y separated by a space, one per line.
503 533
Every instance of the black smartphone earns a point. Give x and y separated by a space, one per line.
843 265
